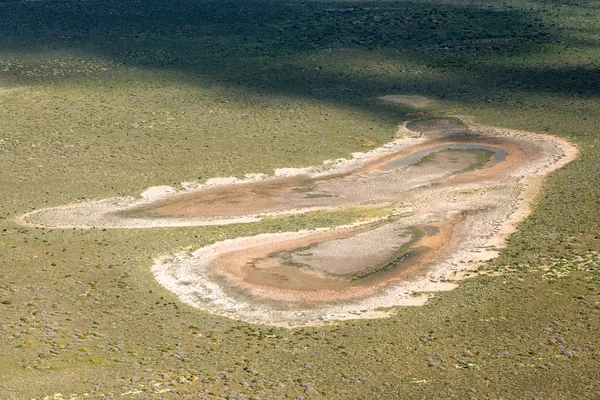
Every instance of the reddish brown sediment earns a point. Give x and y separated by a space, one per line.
253 270
280 194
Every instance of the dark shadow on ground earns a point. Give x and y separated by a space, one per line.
311 49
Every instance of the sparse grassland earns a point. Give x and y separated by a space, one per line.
121 95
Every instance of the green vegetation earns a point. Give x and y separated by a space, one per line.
122 95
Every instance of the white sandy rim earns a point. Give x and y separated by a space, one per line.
97 214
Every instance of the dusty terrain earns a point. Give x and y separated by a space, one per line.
456 191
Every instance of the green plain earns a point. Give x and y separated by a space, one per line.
122 95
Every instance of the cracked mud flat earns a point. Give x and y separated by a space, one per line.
456 191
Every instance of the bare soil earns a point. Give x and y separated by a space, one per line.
413 101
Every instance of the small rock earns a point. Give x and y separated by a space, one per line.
569 353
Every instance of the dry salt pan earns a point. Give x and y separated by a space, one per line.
464 215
